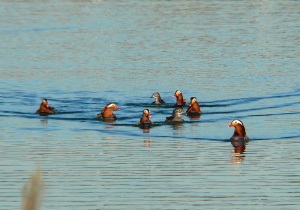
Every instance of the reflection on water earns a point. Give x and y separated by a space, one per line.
108 120
146 129
44 121
195 117
239 146
177 126
147 142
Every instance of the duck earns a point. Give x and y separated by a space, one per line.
175 118
145 121
158 99
239 130
194 108
107 112
45 108
180 101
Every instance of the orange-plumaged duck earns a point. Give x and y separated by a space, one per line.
145 121
45 108
194 108
108 112
180 101
239 130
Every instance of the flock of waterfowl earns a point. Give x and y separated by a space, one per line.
239 138
193 110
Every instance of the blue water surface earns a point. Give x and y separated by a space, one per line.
239 58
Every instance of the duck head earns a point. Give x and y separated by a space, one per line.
179 98
177 112
239 129
157 97
45 103
193 100
146 113
112 106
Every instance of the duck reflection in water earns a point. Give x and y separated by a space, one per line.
239 140
239 148
44 121
107 113
45 108
177 126
146 129
147 142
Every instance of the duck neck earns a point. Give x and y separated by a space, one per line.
194 108
145 119
107 113
239 131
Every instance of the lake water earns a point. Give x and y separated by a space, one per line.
239 58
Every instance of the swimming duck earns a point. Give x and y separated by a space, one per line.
176 115
239 130
107 112
158 99
194 108
145 121
180 101
45 108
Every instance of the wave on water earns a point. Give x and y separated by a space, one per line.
31 30
84 109
239 101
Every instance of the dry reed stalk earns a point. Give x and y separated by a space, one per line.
32 192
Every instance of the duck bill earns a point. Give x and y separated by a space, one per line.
230 125
117 108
